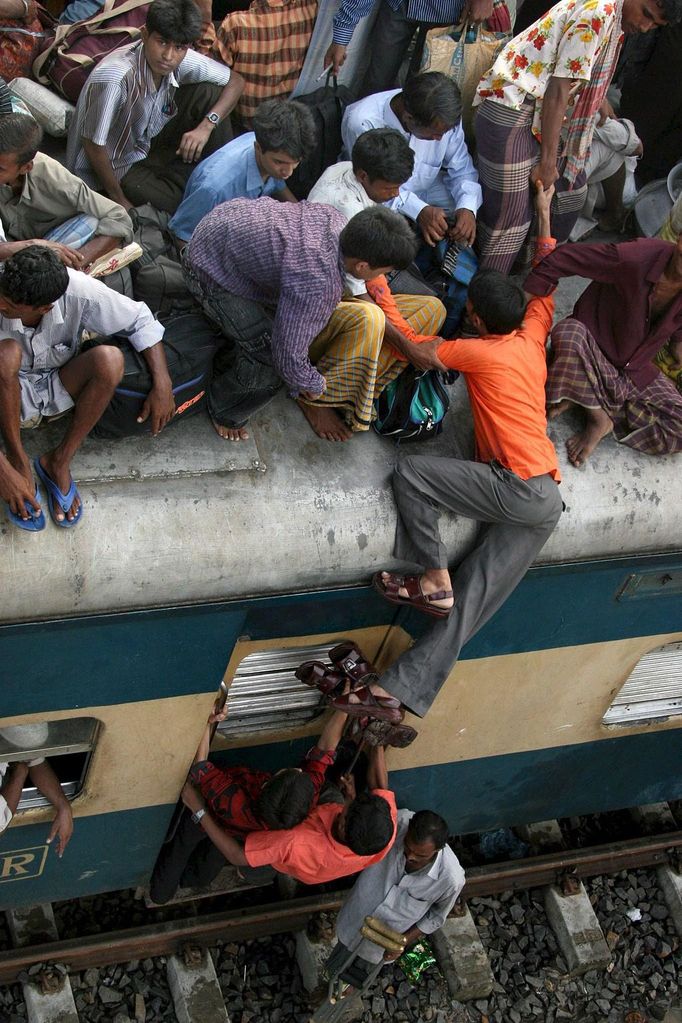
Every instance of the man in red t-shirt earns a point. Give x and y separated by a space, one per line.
511 489
240 800
333 841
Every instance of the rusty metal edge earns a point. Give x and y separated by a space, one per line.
278 918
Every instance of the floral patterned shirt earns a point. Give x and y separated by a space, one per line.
565 43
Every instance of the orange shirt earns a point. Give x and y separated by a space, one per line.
506 376
309 852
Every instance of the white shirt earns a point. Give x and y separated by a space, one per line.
400 900
448 157
338 187
87 304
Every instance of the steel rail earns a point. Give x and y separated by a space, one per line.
277 918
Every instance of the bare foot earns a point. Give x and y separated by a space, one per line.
60 474
325 421
431 582
558 408
230 432
581 445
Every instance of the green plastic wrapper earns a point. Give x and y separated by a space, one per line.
416 960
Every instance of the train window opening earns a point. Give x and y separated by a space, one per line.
652 691
68 745
265 694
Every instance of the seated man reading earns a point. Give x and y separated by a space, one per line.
38 195
411 890
257 163
511 489
44 309
428 113
602 357
333 841
271 276
239 800
150 110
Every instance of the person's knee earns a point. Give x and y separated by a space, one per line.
567 335
372 320
404 474
10 358
107 364
435 310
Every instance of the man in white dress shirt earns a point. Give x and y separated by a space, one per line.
411 890
44 310
427 112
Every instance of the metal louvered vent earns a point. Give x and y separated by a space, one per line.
653 690
266 696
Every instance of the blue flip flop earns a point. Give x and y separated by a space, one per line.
32 525
56 499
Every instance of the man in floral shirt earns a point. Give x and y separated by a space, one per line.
537 111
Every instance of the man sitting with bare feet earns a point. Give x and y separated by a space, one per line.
44 309
602 357
271 276
511 489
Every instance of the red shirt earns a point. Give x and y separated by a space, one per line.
231 792
309 852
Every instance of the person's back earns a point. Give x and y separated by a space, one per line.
250 245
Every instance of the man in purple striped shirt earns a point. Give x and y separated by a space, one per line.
271 275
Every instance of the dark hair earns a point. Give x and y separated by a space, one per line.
177 21
379 236
35 276
283 124
383 154
285 800
427 826
672 11
432 97
369 826
498 300
21 136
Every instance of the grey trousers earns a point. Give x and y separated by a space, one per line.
517 517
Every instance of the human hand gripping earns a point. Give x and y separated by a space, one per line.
464 228
432 224
192 142
160 405
425 355
335 57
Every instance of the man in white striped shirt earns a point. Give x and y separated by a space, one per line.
151 110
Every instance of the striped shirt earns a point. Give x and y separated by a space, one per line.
428 12
267 45
281 254
121 108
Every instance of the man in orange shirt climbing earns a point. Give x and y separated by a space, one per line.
511 489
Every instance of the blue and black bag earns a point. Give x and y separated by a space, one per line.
413 406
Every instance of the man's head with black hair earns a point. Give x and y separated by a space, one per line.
286 799
432 105
645 15
382 162
31 281
170 28
496 304
376 241
20 139
285 134
366 825
426 835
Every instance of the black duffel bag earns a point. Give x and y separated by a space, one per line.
327 106
190 343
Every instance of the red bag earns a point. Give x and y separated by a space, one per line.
74 50
22 39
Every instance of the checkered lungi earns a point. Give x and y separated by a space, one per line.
648 419
507 152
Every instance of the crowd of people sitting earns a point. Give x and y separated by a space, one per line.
304 294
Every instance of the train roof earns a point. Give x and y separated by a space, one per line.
187 517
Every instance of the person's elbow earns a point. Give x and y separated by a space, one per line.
236 85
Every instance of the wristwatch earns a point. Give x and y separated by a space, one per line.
213 118
196 817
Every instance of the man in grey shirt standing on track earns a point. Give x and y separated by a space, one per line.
411 891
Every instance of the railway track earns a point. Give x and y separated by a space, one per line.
561 871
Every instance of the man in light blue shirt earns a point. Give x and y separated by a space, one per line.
249 166
427 112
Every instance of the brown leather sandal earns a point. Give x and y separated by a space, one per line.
415 598
382 733
320 676
366 704
348 657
